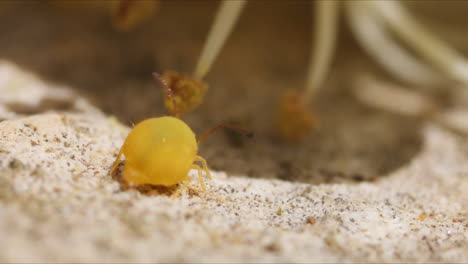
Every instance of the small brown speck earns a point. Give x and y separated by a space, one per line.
5 151
16 164
279 212
311 220
422 217
272 247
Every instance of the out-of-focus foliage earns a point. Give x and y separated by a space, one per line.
79 4
126 14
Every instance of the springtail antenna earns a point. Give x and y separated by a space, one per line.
214 129
169 91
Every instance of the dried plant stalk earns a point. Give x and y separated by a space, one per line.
391 96
323 46
368 28
226 17
422 41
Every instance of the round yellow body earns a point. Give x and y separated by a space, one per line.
159 151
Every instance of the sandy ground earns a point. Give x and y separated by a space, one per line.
58 203
368 185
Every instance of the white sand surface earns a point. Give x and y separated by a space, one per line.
58 203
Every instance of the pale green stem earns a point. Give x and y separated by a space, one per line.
323 46
368 28
391 96
422 41
226 17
